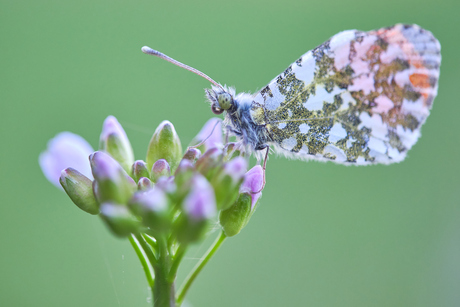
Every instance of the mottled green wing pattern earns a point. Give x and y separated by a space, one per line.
360 97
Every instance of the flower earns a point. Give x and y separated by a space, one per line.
119 219
162 204
171 193
211 134
65 150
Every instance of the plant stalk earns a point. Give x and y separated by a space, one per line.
199 266
163 290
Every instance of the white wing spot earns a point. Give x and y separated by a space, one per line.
316 102
288 144
304 150
377 145
273 103
347 99
304 128
306 72
337 133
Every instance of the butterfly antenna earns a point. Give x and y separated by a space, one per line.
163 56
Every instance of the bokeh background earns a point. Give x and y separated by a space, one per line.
324 234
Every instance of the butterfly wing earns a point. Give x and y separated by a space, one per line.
361 97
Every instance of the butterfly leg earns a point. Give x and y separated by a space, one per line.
227 135
264 166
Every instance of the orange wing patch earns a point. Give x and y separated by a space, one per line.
420 80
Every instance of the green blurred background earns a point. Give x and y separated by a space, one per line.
324 234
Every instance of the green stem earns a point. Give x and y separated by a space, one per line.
163 291
148 270
151 241
199 266
176 261
147 249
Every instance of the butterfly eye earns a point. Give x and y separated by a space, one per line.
216 110
225 100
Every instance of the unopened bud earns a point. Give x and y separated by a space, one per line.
119 219
237 216
227 182
80 190
165 144
113 183
192 154
182 179
152 206
144 183
199 207
114 141
209 163
253 184
160 168
140 170
166 184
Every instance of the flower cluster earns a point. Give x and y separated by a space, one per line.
171 192
161 204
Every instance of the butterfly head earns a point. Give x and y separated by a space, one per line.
221 99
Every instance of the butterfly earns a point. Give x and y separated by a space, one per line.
359 98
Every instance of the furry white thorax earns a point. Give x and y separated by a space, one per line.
238 119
